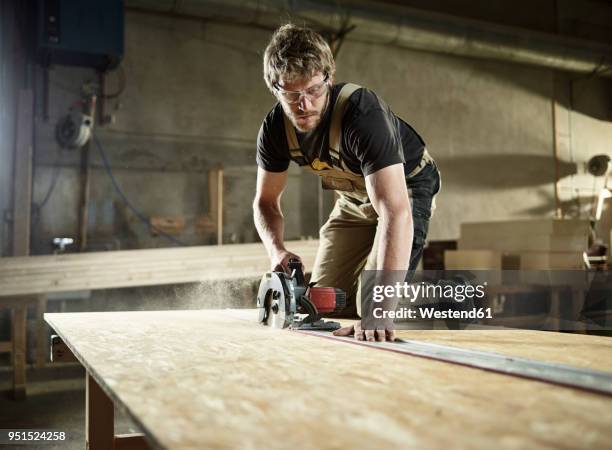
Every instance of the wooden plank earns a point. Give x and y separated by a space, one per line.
69 281
131 442
99 417
215 200
142 260
100 270
222 381
42 343
17 345
253 250
22 191
18 337
230 263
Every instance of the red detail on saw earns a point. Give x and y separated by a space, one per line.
325 299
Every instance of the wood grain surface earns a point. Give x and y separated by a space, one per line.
126 268
209 379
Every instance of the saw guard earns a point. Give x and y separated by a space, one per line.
276 303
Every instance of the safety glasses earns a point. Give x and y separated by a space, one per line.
312 93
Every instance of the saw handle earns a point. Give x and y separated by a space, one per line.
295 265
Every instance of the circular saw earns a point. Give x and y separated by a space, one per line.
285 301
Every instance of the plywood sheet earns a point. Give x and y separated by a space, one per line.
205 379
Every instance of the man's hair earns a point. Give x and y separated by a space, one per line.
295 53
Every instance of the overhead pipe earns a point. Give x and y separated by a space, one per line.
404 27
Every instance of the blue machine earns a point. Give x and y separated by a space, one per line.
86 33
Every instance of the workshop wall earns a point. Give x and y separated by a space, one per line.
489 126
194 99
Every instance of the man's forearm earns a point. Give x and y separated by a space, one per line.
394 251
395 246
270 225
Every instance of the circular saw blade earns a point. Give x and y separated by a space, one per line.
275 300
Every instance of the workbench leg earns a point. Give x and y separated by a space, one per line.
18 332
42 341
99 417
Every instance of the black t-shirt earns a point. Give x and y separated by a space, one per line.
373 137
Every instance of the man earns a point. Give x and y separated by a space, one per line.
375 161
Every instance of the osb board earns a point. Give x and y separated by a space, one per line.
205 379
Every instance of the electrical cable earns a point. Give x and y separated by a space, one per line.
54 179
122 83
126 201
37 207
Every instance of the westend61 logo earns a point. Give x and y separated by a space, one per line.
434 301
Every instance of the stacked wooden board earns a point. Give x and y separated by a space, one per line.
531 244
30 275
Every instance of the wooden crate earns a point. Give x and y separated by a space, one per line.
479 260
555 261
521 243
526 227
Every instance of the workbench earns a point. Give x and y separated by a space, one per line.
218 379
25 281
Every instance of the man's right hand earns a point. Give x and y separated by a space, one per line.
381 334
280 261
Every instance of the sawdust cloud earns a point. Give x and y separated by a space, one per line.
217 294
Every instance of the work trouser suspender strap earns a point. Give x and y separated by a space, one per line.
335 129
425 159
292 142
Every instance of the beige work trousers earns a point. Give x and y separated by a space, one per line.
348 241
